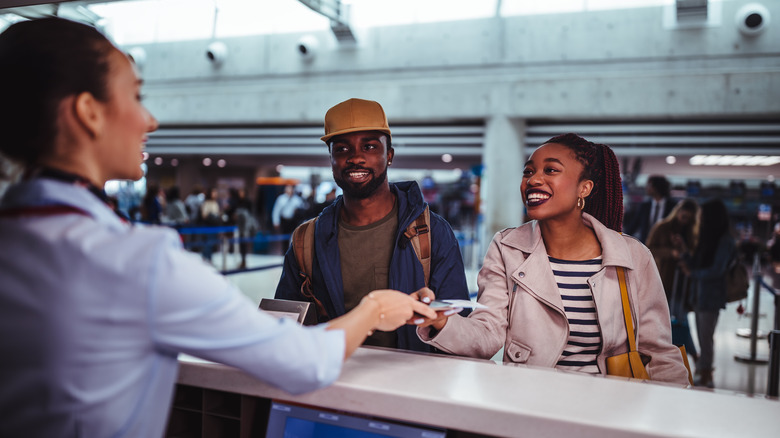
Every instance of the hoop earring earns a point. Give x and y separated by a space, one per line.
581 203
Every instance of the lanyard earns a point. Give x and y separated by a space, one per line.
48 172
51 210
41 210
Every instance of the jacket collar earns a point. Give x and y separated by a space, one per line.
410 205
615 252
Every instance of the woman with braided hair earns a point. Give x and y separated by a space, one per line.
550 286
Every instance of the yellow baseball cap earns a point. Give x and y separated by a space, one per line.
355 115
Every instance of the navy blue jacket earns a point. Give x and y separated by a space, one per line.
447 278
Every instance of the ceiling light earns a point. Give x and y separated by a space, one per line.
734 160
671 159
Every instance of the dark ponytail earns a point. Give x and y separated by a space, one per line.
43 61
605 201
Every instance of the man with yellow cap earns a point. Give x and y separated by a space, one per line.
359 240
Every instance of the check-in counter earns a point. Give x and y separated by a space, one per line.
466 397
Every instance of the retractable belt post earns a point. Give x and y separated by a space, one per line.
754 315
773 377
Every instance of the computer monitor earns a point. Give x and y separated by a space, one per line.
297 421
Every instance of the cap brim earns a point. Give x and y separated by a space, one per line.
384 130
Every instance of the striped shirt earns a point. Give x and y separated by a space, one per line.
584 342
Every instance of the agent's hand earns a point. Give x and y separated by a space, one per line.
395 309
427 296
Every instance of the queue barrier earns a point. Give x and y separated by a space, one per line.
206 238
773 372
773 376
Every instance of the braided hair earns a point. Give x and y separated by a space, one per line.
600 165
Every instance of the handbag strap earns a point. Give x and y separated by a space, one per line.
621 273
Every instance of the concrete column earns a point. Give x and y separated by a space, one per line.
503 157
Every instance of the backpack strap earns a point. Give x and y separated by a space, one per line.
422 246
303 248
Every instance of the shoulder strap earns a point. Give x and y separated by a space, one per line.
303 248
637 367
621 273
422 246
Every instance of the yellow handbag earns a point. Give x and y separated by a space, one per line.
630 364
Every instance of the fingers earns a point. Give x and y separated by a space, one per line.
424 294
423 309
397 308
452 311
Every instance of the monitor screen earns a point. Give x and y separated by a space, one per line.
295 421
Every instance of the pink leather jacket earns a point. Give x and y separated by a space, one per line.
525 313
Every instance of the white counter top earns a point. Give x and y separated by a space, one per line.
492 399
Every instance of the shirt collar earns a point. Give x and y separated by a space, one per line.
44 191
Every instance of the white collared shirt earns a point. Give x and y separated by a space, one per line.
93 313
285 206
657 211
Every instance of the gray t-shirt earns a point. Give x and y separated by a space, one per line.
365 264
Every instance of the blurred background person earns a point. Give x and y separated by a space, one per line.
657 206
193 201
241 214
284 215
707 267
668 240
210 216
152 204
175 209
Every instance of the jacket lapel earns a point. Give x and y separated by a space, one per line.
328 256
534 273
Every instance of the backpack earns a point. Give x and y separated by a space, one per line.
737 280
303 248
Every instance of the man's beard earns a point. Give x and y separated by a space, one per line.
362 191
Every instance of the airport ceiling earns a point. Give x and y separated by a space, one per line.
441 147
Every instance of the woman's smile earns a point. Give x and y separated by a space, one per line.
536 197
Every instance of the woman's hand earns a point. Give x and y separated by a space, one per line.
438 322
395 309
384 310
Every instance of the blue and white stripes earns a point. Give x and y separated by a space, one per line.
584 342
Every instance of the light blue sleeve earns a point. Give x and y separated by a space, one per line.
195 310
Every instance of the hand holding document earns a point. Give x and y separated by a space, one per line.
439 305
444 308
